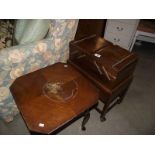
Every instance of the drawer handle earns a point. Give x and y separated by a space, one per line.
120 28
116 40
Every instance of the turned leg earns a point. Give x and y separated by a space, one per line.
121 97
85 120
104 111
107 106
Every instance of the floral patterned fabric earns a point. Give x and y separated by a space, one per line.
19 60
6 33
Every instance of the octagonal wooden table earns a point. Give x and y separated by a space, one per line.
45 113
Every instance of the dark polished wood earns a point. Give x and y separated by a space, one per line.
114 63
111 72
146 25
85 120
88 27
37 108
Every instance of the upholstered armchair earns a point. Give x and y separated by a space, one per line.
22 59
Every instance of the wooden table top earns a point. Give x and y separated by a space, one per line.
146 26
40 112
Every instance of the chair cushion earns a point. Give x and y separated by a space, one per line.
30 30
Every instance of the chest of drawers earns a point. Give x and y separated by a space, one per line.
121 31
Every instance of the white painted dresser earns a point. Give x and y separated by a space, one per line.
121 31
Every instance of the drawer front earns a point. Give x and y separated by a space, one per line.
126 21
120 28
123 41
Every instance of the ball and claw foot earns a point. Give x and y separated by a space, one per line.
102 118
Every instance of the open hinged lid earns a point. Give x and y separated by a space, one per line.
110 60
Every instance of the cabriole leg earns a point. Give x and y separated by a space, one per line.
85 120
